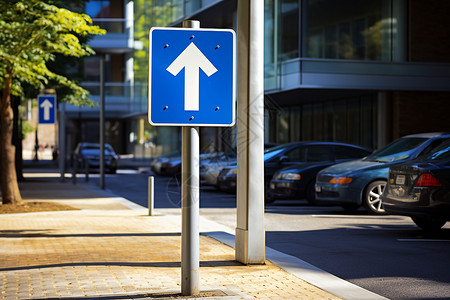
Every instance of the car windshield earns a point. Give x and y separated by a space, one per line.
397 150
440 153
91 147
271 152
97 147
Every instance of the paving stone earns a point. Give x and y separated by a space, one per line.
96 252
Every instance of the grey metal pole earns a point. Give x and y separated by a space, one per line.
190 198
190 204
62 140
151 195
102 122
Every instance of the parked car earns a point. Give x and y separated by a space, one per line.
279 157
172 166
210 168
90 153
156 162
297 181
361 182
420 189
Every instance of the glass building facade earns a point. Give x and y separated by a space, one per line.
331 30
333 70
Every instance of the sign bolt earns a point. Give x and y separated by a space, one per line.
217 108
192 36
217 47
165 107
166 45
191 118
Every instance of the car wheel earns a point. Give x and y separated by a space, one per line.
372 201
429 224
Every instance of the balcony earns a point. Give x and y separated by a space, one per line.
119 36
348 74
121 100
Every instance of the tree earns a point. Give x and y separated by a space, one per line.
32 32
148 14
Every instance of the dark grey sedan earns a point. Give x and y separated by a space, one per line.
420 189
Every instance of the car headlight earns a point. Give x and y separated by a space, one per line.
232 172
289 176
341 180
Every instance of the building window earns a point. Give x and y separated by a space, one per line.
191 6
288 33
106 15
352 120
98 9
349 29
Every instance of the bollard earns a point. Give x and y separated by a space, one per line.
151 194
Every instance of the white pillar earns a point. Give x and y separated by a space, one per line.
250 235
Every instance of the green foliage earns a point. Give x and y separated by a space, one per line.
148 14
26 128
32 32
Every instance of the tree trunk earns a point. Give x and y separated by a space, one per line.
9 185
17 136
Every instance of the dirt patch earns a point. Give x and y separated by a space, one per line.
26 206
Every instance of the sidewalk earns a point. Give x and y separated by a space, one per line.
111 249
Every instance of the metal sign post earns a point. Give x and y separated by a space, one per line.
190 210
191 83
62 140
102 122
190 204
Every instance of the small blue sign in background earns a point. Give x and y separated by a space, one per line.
47 109
216 92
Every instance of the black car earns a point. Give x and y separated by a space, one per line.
297 181
285 155
420 189
89 154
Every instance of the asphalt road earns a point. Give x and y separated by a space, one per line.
387 255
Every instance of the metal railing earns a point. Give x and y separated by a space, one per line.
111 88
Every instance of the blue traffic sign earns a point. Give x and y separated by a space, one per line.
192 75
47 109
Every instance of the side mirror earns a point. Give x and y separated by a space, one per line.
283 159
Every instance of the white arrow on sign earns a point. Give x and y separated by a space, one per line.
47 105
191 59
